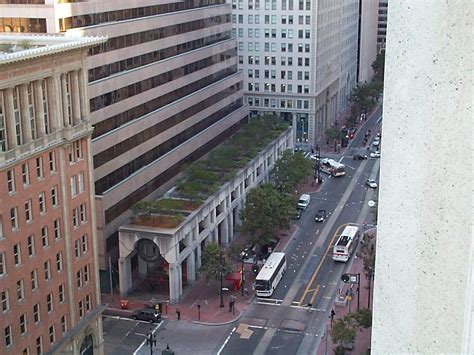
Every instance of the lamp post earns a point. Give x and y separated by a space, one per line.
222 271
151 340
242 275
369 275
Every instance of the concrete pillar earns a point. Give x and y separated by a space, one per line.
428 110
223 231
198 256
175 283
84 100
191 267
311 130
39 109
75 98
125 275
295 126
25 115
142 268
230 218
9 119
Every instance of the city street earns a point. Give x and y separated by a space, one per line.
285 323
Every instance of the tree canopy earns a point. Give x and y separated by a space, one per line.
211 263
290 170
266 210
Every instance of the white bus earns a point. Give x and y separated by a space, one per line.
346 244
332 167
270 275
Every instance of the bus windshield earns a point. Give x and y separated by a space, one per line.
261 285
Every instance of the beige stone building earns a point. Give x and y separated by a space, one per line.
49 285
164 89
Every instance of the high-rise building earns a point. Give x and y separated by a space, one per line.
382 24
299 60
424 271
49 281
164 89
367 52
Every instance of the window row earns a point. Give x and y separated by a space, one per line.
272 74
23 24
39 172
137 38
131 13
272 60
137 88
28 208
79 215
85 305
272 47
77 184
151 132
300 5
270 33
83 276
272 19
278 103
284 88
145 108
144 59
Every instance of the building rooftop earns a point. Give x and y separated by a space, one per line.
17 47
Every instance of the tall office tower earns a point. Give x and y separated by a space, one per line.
367 53
382 24
424 272
49 281
164 90
299 60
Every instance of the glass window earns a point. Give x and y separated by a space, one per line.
34 280
11 181
25 174
4 299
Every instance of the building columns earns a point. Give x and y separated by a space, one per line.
142 268
125 275
25 115
191 267
75 95
39 109
10 119
54 102
176 283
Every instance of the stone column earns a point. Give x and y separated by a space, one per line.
230 223
75 98
295 126
175 283
191 267
25 115
125 275
223 232
425 242
9 119
198 256
84 100
39 109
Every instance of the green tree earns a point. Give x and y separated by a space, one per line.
290 170
212 262
343 331
363 317
379 67
332 133
266 210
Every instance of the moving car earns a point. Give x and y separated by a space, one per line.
147 314
303 202
375 154
320 216
371 183
359 157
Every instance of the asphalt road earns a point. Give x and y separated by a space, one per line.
284 323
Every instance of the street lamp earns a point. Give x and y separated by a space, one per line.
370 276
222 271
151 340
242 280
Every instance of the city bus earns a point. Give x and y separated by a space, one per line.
270 275
346 244
332 167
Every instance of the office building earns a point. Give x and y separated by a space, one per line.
367 52
382 24
49 281
164 89
299 60
424 271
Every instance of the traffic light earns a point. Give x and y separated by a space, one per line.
255 269
345 278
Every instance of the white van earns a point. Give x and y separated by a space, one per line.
303 202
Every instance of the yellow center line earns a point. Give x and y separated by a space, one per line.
314 294
320 264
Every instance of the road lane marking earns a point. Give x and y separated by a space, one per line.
320 264
314 294
226 341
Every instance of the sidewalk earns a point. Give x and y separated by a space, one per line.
363 337
205 294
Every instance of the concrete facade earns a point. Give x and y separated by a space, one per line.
367 39
163 91
49 281
299 60
424 284
214 221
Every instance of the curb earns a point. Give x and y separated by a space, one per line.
241 313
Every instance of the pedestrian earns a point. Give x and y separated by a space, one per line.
178 313
166 308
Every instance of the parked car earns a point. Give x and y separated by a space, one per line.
371 183
352 132
303 202
147 314
376 142
320 216
375 154
359 157
297 214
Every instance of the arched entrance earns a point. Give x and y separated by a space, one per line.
87 346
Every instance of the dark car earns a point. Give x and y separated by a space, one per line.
147 314
297 214
359 157
320 216
352 132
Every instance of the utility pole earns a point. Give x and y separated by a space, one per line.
111 285
222 271
151 340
